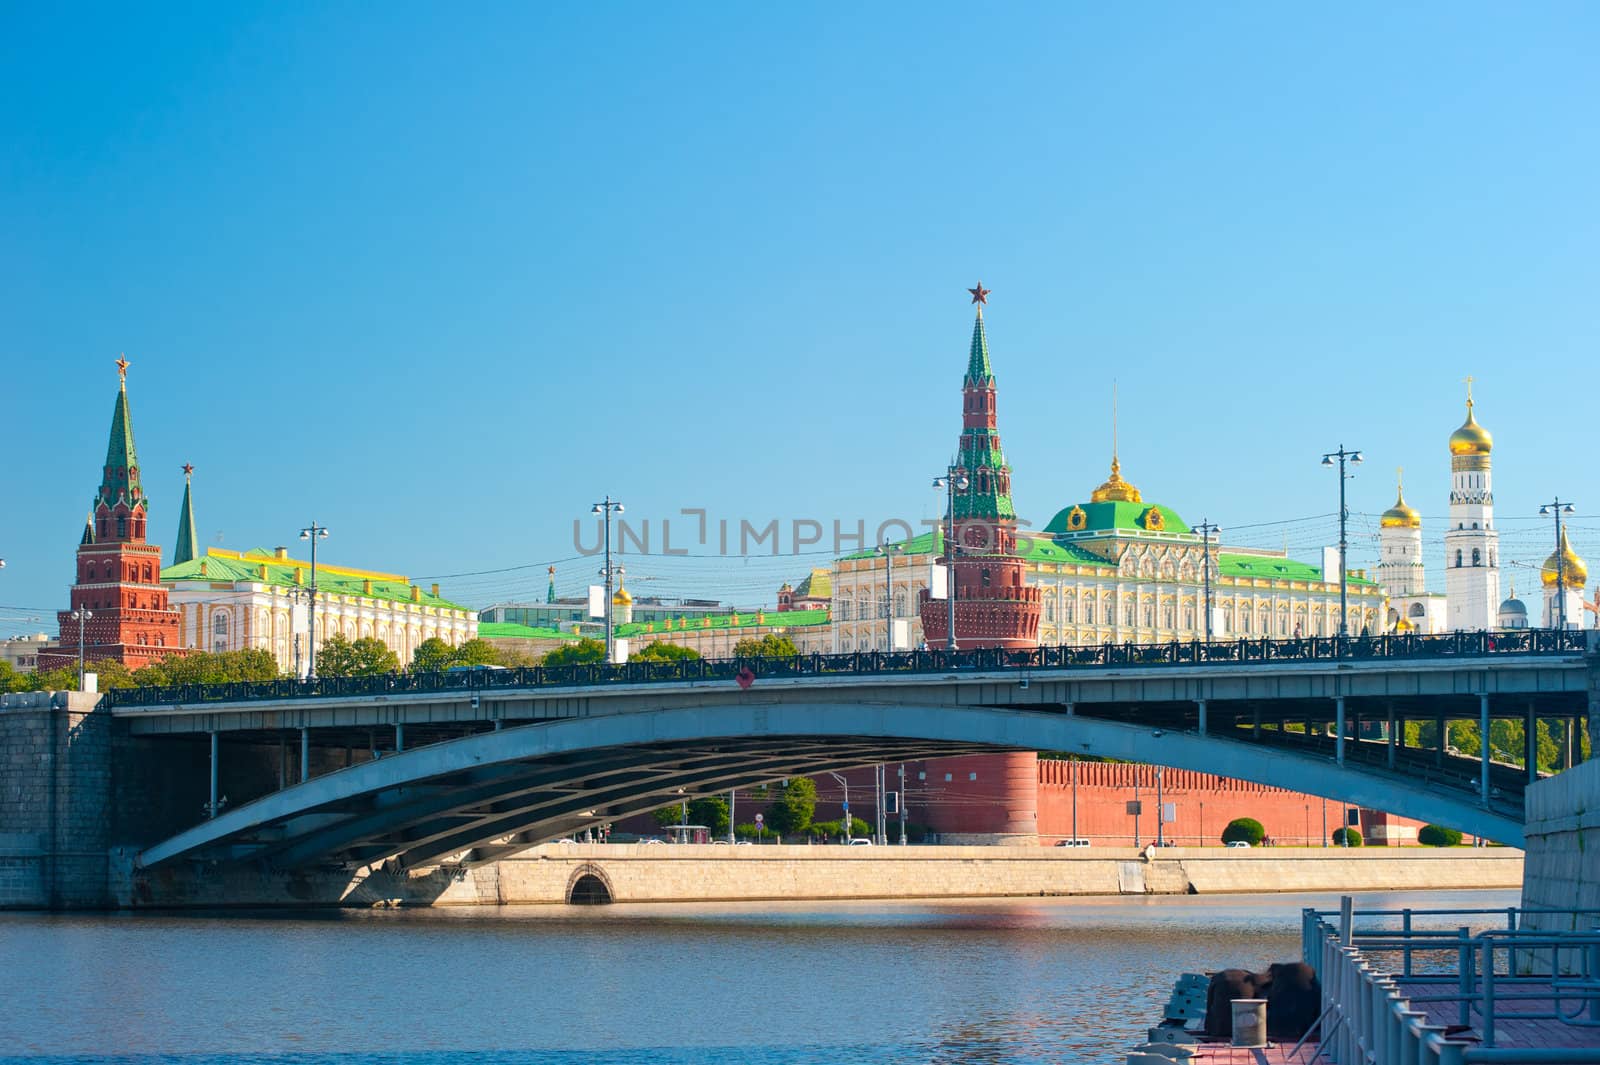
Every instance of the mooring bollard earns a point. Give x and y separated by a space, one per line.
1249 1022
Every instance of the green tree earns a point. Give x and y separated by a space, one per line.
9 678
663 652
711 811
211 667
583 651
432 656
63 679
1244 829
1439 836
477 653
667 816
366 657
769 646
1347 837
792 806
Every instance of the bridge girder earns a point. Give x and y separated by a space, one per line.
524 769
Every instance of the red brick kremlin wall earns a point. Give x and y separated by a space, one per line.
1204 802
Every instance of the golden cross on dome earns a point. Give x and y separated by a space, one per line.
1469 379
1400 477
980 295
122 369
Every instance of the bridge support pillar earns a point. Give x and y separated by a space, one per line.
1200 704
1390 735
1484 752
305 755
1530 744
399 737
211 807
1338 726
1442 736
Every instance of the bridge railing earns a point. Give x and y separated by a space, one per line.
1528 642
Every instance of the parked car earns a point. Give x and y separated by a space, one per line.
1072 843
861 841
1240 843
653 839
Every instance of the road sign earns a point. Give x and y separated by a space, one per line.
760 819
846 807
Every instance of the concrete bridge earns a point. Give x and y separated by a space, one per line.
465 768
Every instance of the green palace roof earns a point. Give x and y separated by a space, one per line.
771 619
1034 547
234 567
1105 517
1267 567
503 630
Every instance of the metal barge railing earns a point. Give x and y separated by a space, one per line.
1406 989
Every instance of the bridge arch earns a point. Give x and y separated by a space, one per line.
589 886
498 792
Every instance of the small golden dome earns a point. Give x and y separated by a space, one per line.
1564 566
622 598
1471 438
1115 489
1401 515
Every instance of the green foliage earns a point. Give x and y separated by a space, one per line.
1347 837
573 654
830 830
9 678
476 653
663 652
367 657
1247 829
668 815
1439 836
433 655
792 806
209 667
769 646
711 811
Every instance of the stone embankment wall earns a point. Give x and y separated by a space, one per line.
643 873
55 777
1563 855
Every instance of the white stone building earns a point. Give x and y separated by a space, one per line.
1471 542
1401 572
232 601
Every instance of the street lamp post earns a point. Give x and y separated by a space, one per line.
1206 529
1354 459
952 482
887 550
81 615
607 507
845 820
312 532
1557 508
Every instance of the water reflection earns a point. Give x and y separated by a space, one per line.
1060 980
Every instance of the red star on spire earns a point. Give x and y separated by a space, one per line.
188 468
980 294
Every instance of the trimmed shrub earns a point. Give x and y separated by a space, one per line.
1347 837
1245 829
1438 836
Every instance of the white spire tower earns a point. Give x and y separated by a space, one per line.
1471 543
1401 571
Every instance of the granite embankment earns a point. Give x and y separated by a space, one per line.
642 873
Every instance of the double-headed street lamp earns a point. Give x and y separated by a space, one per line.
1557 508
607 507
1354 459
81 615
1206 531
952 482
312 532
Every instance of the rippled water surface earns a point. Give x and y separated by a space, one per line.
1049 980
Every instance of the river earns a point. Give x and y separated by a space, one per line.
1016 981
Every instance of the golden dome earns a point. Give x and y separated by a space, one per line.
1115 489
1471 438
1401 515
1564 566
622 598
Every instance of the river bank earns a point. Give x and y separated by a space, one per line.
555 874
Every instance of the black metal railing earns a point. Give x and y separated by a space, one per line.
1528 642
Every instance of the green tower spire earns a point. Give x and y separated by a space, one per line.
550 592
88 529
121 476
183 549
978 369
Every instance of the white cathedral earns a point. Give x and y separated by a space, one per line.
1471 600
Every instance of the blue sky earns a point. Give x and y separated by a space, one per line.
442 278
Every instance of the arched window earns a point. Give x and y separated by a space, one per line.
1050 610
1088 611
122 527
1458 559
1477 560
1066 610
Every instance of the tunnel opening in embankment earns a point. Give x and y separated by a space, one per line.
589 890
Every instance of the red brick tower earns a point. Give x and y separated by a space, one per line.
992 798
994 605
119 574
